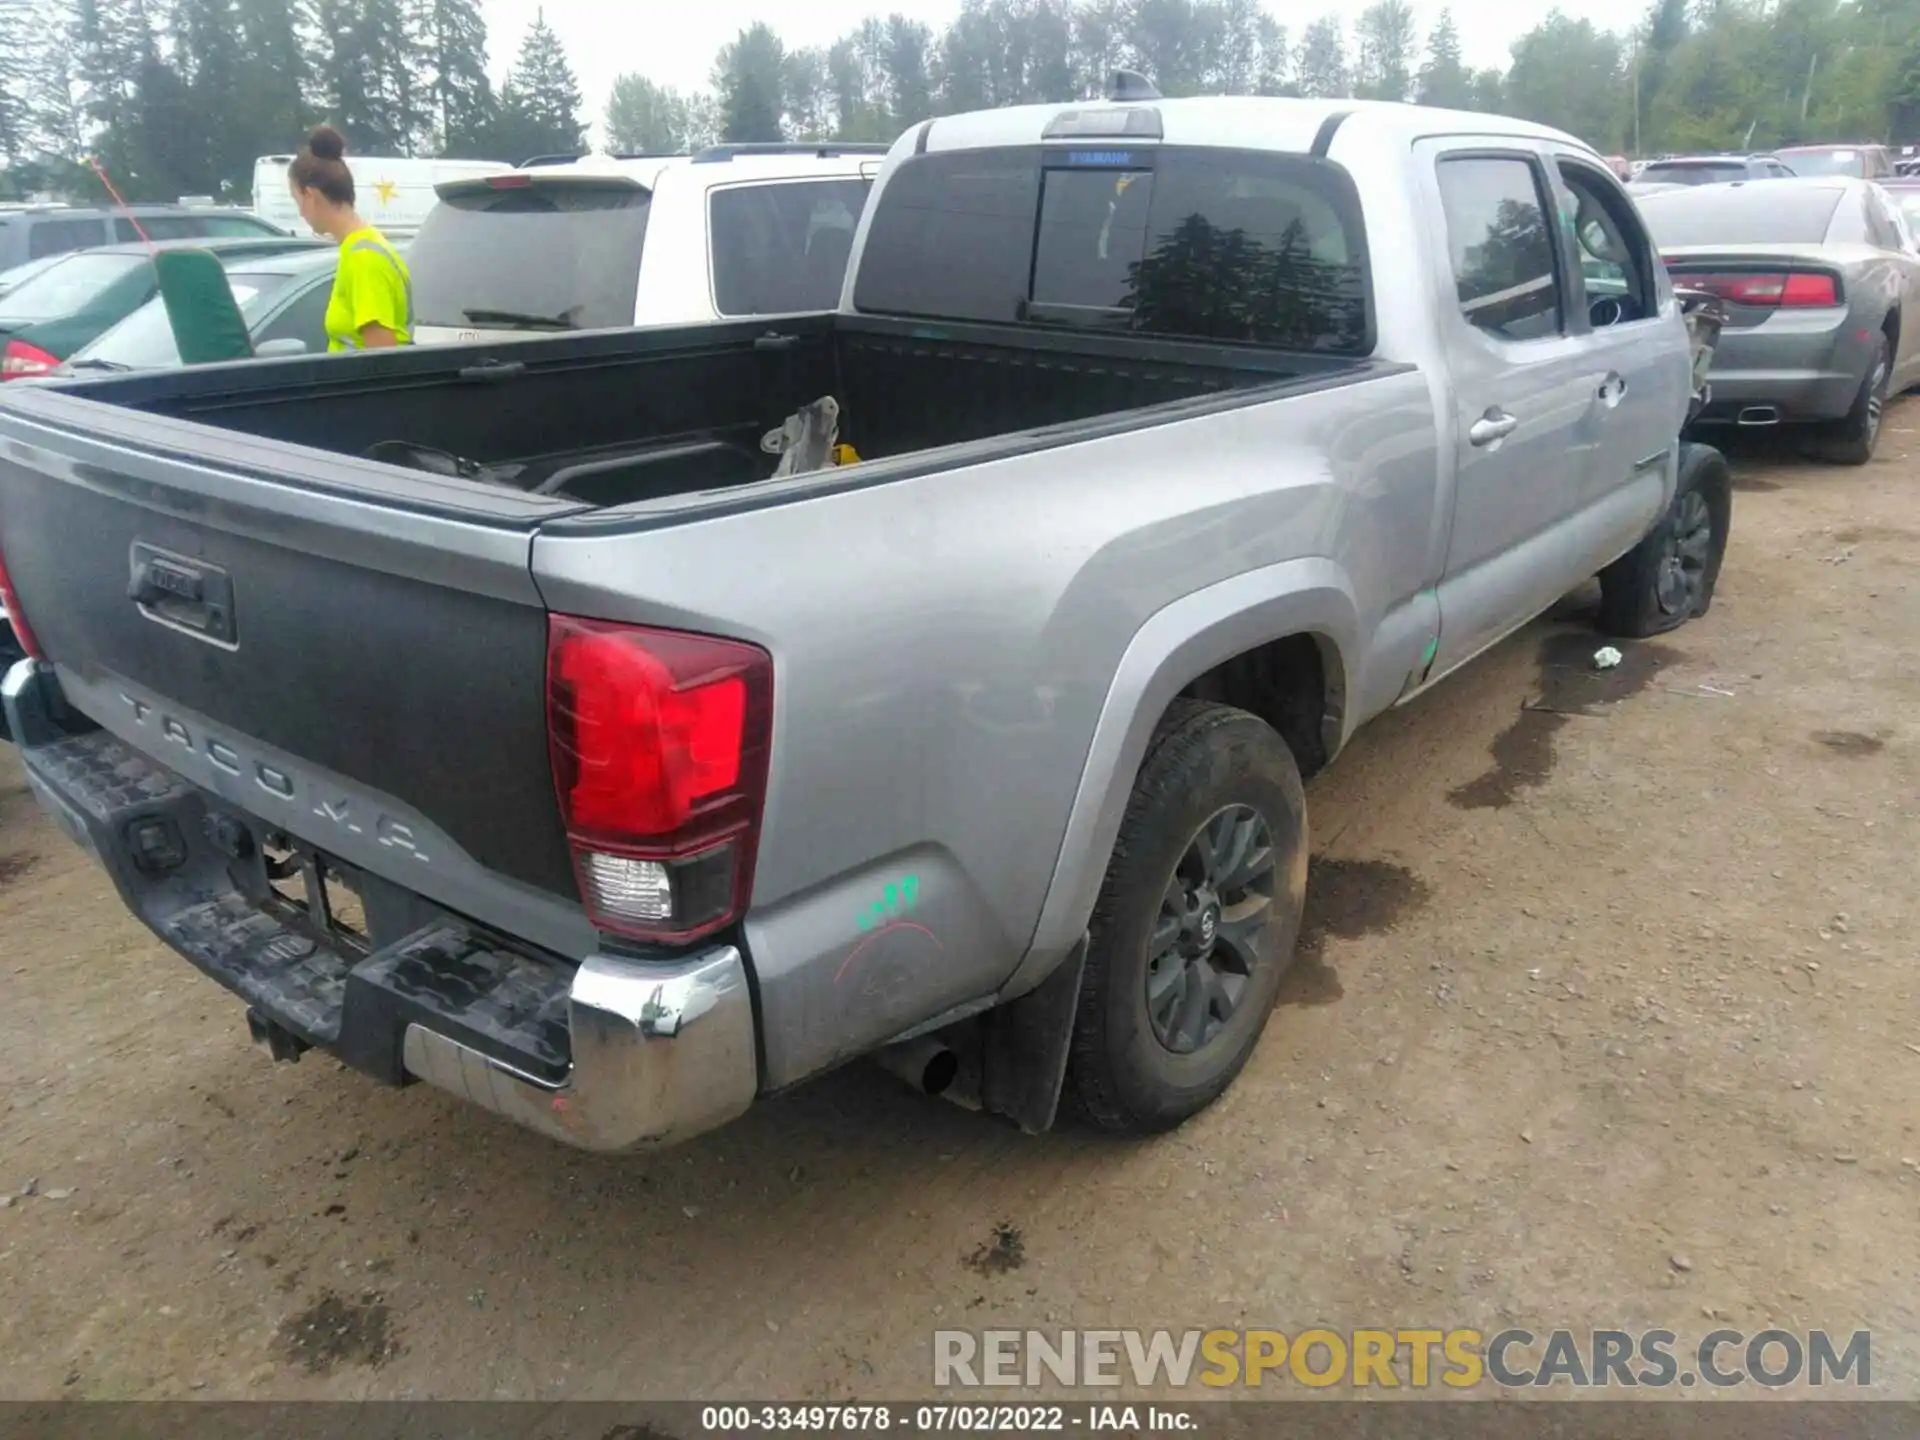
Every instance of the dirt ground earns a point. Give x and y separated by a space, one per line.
1608 1018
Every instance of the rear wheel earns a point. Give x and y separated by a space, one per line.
1668 578
1853 440
1196 921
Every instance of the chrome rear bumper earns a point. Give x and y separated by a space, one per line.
656 1057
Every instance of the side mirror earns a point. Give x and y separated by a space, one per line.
206 322
276 349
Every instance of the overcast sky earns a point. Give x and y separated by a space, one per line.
673 41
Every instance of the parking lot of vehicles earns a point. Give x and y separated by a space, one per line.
604 241
67 306
1823 296
1158 522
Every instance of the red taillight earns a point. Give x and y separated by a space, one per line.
1804 288
20 358
509 182
660 742
1775 288
10 598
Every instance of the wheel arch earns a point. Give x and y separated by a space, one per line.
1257 636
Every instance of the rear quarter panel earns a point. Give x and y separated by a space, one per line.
945 645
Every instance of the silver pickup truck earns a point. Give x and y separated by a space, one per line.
497 716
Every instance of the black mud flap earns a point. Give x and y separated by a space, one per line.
1024 1063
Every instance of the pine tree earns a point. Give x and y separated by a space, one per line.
275 69
749 78
1444 79
540 103
370 85
16 75
812 111
645 118
908 67
1386 34
207 56
112 40
452 40
1320 70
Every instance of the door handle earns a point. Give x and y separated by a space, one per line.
1493 426
1613 390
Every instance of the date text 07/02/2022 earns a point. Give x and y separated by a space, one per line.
933 1419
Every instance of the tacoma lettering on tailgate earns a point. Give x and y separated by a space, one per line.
337 810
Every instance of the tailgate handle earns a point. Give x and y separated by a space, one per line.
157 579
190 595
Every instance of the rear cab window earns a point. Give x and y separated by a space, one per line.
1183 242
539 255
781 247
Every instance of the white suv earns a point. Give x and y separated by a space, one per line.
600 241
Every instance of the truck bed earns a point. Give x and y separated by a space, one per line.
615 418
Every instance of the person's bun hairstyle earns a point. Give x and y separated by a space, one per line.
321 165
327 143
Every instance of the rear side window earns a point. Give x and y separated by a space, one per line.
552 255
782 248
159 227
1881 229
1207 244
1502 248
54 237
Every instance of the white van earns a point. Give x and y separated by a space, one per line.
393 193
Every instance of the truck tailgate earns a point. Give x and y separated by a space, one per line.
356 655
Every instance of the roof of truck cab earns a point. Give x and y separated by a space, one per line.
1240 121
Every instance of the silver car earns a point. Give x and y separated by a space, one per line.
1821 286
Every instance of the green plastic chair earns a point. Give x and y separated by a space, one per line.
206 320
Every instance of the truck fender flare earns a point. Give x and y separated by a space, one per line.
1178 644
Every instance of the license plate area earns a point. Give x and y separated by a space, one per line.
317 892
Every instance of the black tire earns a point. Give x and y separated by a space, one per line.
1853 440
1669 577
1208 769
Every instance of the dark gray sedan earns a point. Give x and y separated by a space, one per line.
1822 292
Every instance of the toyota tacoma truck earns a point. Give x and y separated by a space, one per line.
507 717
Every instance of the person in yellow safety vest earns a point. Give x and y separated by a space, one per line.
372 303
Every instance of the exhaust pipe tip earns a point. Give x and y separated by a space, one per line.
926 1064
1759 415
